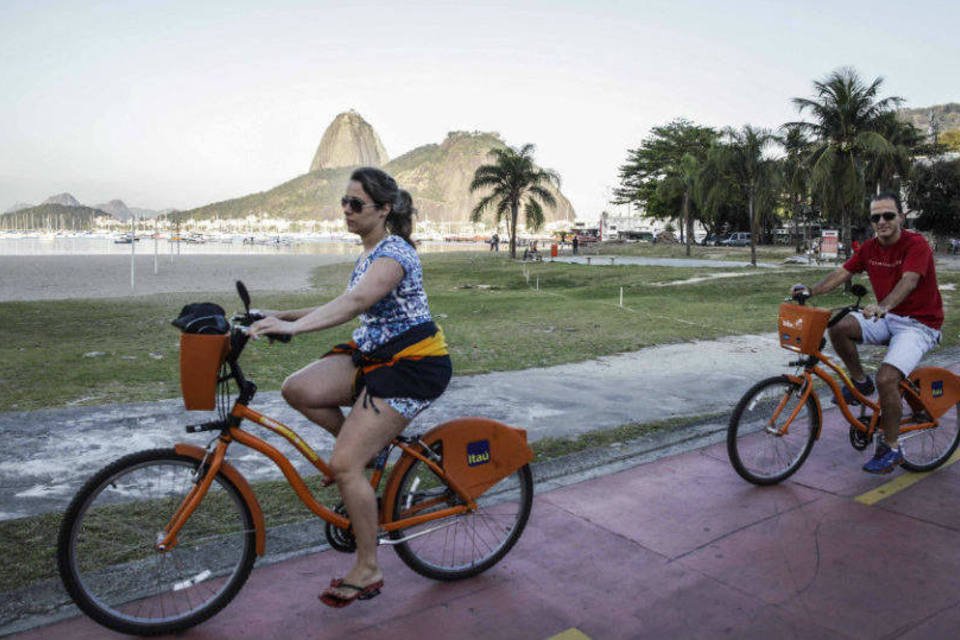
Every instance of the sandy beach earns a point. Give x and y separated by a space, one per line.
53 277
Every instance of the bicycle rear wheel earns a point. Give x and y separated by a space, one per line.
760 450
927 449
464 545
106 548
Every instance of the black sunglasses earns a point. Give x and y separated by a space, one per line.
886 215
356 204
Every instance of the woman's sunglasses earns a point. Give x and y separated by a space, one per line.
356 204
886 215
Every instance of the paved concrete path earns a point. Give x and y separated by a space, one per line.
680 547
48 454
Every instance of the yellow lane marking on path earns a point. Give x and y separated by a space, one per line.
570 634
900 483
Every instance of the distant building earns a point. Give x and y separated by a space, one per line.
638 227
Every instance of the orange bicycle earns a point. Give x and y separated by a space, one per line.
161 540
775 424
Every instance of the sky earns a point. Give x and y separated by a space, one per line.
179 104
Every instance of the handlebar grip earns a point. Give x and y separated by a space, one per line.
279 337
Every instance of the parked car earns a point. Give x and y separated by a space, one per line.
738 239
713 239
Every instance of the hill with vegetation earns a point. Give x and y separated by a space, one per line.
947 116
438 177
53 216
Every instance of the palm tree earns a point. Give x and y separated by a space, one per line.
514 180
887 172
847 125
796 174
683 182
737 166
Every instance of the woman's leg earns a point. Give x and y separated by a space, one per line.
365 432
320 389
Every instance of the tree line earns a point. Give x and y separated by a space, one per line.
822 168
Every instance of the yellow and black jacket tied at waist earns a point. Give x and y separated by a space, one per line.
415 364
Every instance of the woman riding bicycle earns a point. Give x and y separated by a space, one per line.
396 365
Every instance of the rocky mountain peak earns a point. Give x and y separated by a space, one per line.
117 209
349 141
64 199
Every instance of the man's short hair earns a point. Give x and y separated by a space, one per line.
888 195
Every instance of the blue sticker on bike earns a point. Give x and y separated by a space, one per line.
937 386
478 452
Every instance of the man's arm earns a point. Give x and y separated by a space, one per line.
831 282
908 282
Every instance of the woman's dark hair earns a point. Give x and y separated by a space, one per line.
383 190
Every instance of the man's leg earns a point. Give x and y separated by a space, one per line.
909 341
888 386
844 337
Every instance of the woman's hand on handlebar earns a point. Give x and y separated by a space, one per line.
272 327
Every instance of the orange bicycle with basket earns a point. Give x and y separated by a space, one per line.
161 540
775 424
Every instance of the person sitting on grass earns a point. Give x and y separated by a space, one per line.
907 317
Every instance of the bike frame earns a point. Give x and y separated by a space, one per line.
233 433
812 369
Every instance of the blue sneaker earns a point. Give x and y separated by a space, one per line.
884 460
866 388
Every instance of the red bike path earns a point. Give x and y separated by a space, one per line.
676 548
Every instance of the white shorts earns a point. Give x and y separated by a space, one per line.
909 339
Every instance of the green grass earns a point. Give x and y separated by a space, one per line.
73 352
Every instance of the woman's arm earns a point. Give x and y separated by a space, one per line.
381 278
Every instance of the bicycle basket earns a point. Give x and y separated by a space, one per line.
802 327
200 359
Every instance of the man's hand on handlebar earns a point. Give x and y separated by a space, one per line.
874 311
800 292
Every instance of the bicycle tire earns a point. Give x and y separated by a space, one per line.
927 449
764 456
106 547
466 545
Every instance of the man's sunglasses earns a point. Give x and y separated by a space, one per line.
886 215
356 204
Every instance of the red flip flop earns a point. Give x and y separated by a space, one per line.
333 599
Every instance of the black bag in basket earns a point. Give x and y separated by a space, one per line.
202 317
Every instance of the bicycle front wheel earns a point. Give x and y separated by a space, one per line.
927 449
464 545
107 556
764 444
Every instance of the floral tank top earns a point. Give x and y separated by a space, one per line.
401 309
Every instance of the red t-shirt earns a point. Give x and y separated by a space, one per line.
886 265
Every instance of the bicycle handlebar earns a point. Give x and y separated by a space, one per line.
800 296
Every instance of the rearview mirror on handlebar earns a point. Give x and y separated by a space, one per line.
244 295
858 290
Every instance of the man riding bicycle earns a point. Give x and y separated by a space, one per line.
907 316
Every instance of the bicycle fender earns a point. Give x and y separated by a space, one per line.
939 389
477 454
816 401
227 469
